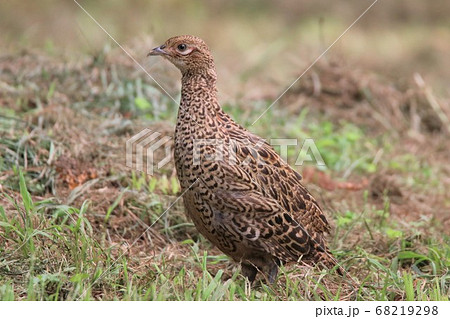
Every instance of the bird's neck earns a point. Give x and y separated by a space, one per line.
199 95
199 75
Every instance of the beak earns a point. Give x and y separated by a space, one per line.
158 51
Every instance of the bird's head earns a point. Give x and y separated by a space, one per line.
188 53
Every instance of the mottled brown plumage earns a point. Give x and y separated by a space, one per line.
249 202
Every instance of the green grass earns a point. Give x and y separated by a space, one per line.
52 252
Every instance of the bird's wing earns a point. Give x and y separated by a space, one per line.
279 181
263 223
259 216
262 197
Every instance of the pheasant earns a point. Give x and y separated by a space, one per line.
248 201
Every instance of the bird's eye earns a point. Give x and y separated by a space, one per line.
182 47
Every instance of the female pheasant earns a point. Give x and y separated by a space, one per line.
240 194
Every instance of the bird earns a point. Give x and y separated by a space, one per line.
240 194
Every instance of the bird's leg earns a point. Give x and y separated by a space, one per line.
249 271
273 272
